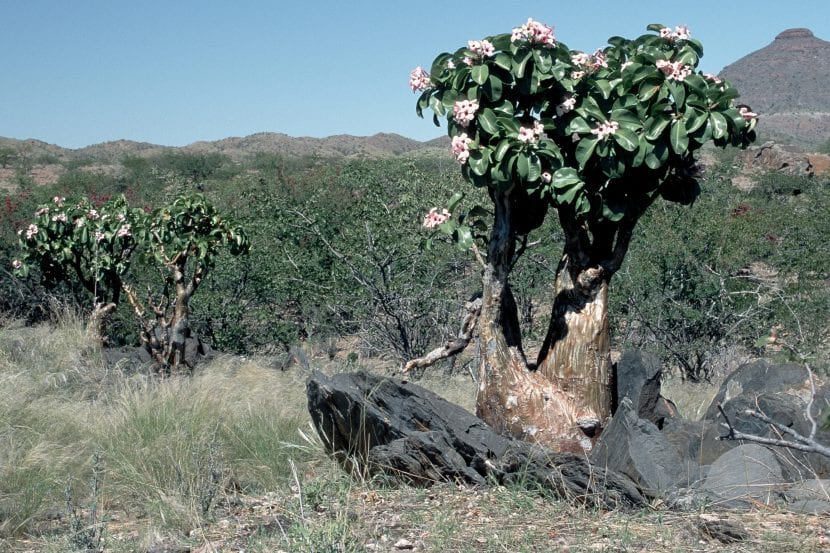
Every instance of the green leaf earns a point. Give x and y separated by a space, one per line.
523 55
655 126
584 150
565 178
501 150
543 61
480 73
503 60
678 137
694 119
464 238
493 88
534 167
522 165
479 161
626 139
487 121
578 125
648 89
719 125
454 201
613 211
603 86
678 93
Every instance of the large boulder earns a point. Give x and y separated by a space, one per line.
782 392
745 475
394 428
635 447
637 377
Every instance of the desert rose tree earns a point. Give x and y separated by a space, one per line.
593 139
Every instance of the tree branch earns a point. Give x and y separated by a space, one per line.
455 346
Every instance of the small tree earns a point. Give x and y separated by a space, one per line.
95 247
597 138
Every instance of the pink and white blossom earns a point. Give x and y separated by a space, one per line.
79 222
567 105
59 200
481 48
598 59
464 111
546 177
580 58
681 32
99 235
461 147
17 264
434 218
531 134
666 32
41 211
125 230
450 64
59 218
674 71
747 114
92 214
606 129
31 231
712 77
534 32
576 75
418 79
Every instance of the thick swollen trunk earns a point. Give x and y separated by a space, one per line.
564 400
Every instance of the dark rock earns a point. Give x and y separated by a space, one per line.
744 476
396 428
724 531
637 377
696 441
635 447
809 497
781 392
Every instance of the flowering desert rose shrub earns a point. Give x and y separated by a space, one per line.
97 246
597 137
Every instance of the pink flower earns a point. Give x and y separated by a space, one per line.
681 32
41 211
481 48
747 114
534 32
568 104
530 134
606 129
464 111
461 147
674 71
712 77
576 75
79 222
92 214
468 60
99 235
546 177
434 218
580 58
666 32
31 231
60 217
59 200
123 231
17 264
450 64
418 79
599 59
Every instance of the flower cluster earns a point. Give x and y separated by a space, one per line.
481 49
59 200
681 32
747 114
567 105
17 264
590 62
59 218
464 111
534 32
125 230
531 134
606 129
674 71
712 77
418 79
31 231
434 218
41 211
461 147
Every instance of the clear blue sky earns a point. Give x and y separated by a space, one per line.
79 72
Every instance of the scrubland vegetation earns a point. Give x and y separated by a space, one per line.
341 271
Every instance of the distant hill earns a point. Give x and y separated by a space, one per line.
787 84
236 148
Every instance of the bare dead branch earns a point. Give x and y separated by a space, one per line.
454 346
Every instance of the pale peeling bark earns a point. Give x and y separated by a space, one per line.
564 401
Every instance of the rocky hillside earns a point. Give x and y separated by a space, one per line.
786 83
236 148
